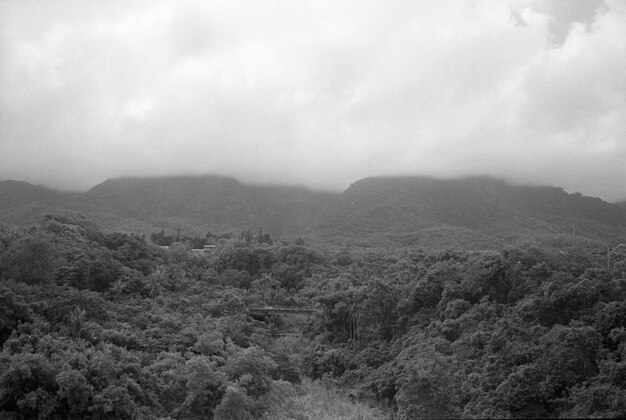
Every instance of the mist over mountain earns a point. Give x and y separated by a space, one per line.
380 211
16 193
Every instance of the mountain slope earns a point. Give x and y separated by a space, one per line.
478 210
395 211
214 202
24 204
19 193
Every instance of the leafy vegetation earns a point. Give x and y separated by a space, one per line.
100 324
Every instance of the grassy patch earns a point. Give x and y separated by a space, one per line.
320 400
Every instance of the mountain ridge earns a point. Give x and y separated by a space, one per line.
390 211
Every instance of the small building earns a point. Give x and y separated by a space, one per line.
206 250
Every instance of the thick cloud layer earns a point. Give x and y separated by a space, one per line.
319 93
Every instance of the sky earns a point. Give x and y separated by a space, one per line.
318 93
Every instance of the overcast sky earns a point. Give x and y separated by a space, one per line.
319 93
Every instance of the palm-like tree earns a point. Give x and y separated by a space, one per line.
76 322
156 282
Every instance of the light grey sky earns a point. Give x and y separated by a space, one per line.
320 92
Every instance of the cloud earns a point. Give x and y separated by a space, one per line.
319 93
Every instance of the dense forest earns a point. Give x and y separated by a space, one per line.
97 324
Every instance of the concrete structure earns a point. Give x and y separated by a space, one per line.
280 310
206 250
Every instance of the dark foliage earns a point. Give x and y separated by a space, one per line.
107 325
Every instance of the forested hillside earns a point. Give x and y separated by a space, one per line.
476 213
101 324
25 204
214 202
473 212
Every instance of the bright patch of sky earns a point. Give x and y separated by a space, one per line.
319 93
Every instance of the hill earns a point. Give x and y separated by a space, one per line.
211 200
475 212
24 204
214 203
18 193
